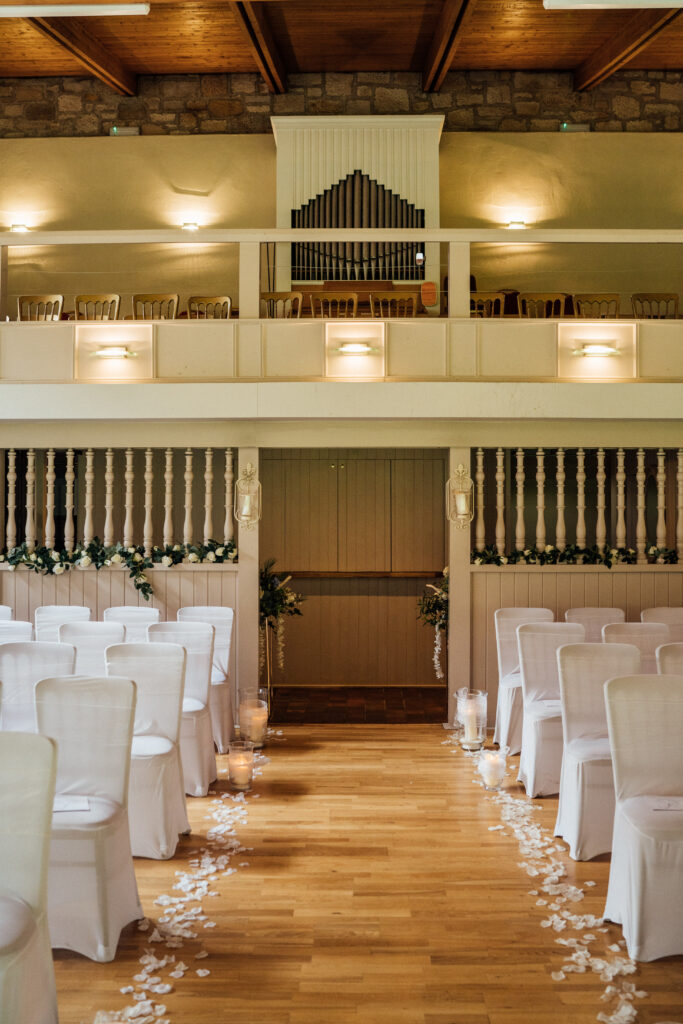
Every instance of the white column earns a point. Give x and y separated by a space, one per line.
641 528
621 500
11 529
229 523
679 506
189 477
540 499
250 280
661 498
88 527
560 528
108 534
247 596
49 532
208 495
459 279
459 601
500 501
480 528
31 499
520 533
129 478
600 524
168 498
148 528
4 304
70 476
580 498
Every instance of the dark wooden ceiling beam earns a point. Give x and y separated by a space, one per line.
254 24
71 35
447 38
637 33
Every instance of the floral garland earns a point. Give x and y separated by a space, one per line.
276 600
433 609
54 562
572 555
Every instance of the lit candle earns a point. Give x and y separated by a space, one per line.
254 721
462 503
469 721
492 767
240 764
246 505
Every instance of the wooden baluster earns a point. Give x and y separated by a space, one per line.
11 529
189 477
480 530
30 499
600 523
69 478
621 500
229 524
168 498
109 497
561 528
49 532
520 533
129 478
580 498
88 528
641 528
679 506
661 498
208 495
540 499
500 501
148 528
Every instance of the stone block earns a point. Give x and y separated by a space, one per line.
527 108
655 109
440 100
152 129
242 84
213 85
498 94
460 120
512 124
69 103
625 107
391 101
131 111
468 99
288 104
363 92
337 84
188 122
543 124
173 86
639 126
88 124
212 127
28 91
373 77
325 106
226 108
672 122
39 112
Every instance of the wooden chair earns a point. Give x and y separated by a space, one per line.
332 305
392 305
597 305
41 308
655 305
487 304
542 305
155 306
97 307
281 305
209 307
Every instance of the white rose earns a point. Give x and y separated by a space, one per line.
211 556
177 547
193 557
167 560
232 555
107 561
140 579
503 560
477 561
54 555
137 557
220 552
116 558
58 570
12 568
85 561
2 558
548 548
527 552
33 556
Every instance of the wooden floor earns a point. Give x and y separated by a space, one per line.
376 705
375 893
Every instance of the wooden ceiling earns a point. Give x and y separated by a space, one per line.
282 37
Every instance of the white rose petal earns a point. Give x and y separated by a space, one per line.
58 570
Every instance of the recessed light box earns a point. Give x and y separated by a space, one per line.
114 351
354 349
596 350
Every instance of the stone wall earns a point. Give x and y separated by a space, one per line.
632 101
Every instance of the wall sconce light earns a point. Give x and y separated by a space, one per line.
515 225
355 348
596 348
190 225
113 352
460 498
19 229
247 499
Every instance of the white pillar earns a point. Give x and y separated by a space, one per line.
459 600
4 306
250 280
247 596
459 279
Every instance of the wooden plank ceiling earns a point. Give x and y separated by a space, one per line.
281 37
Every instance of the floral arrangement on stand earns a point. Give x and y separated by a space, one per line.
572 555
433 609
54 562
276 600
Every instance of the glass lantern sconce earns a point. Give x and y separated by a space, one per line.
247 502
460 498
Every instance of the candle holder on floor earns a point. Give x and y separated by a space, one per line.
472 714
240 764
492 767
254 721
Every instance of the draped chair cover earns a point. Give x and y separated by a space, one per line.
49 617
22 664
92 892
646 636
6 612
14 629
540 762
196 737
585 812
672 617
592 620
644 894
670 659
90 640
135 619
221 694
28 765
508 731
156 793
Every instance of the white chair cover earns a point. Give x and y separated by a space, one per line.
221 694
92 893
91 640
13 629
508 731
540 762
669 659
6 612
196 737
135 619
28 765
22 664
646 636
49 617
585 812
592 620
645 894
156 792
672 617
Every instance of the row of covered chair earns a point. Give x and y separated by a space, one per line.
106 306
339 305
587 305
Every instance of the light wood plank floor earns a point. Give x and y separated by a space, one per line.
375 894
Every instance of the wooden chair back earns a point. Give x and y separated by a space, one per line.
281 305
655 305
41 308
487 304
393 305
332 305
155 306
542 305
597 305
97 307
209 307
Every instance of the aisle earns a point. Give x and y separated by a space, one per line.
375 893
